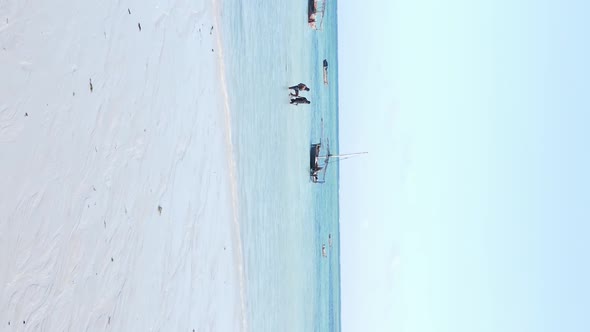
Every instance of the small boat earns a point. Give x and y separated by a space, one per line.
325 72
314 166
324 253
319 164
330 240
314 160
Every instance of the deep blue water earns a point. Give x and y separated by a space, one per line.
285 218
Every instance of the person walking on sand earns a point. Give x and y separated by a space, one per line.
298 88
299 100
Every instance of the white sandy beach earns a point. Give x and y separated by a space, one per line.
102 123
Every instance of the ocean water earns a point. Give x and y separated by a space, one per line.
284 217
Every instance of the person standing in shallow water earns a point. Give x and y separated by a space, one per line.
298 88
299 100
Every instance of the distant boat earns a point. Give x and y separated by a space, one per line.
314 159
324 253
315 8
325 72
319 164
314 162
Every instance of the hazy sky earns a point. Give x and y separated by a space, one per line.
472 210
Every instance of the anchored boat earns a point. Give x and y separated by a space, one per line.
319 164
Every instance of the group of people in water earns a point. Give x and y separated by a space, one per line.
298 99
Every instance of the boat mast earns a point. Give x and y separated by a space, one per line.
346 154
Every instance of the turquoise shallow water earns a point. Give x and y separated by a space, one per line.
285 218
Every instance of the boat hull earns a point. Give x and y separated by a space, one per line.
311 8
314 153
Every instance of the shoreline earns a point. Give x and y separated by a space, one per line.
237 235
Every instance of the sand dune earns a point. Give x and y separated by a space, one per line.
116 204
